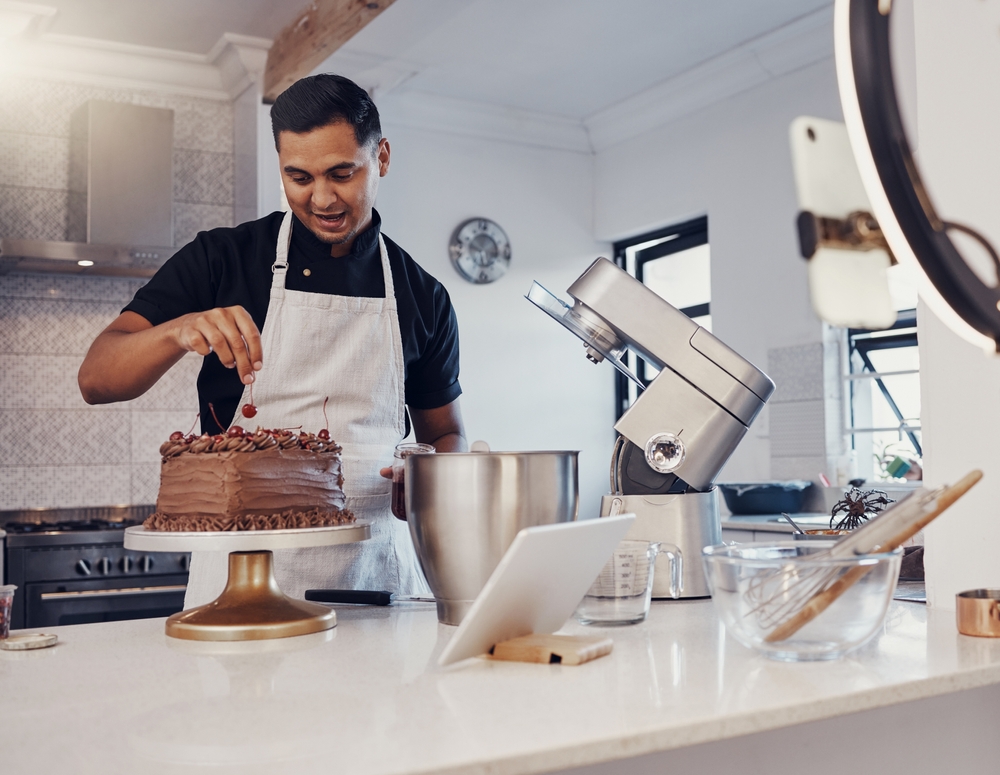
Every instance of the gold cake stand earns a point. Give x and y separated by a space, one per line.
252 606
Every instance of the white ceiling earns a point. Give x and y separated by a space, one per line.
570 58
565 58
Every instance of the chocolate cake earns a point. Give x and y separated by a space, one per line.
260 480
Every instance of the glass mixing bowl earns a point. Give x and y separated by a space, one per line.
758 587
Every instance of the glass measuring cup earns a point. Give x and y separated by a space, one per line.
621 594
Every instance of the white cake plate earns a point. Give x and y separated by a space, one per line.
142 540
251 607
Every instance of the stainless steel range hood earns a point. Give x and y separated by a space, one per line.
121 194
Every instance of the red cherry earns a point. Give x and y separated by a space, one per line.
324 435
176 436
189 438
218 437
236 432
249 410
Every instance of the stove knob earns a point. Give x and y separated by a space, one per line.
125 563
146 564
83 568
104 566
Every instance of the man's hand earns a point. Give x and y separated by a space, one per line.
229 332
131 354
442 428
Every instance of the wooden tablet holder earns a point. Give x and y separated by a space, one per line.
552 649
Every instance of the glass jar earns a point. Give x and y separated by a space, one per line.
403 451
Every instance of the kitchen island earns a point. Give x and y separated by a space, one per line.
367 698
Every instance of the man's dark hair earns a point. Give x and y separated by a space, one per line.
321 100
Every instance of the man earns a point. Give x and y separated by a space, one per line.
295 308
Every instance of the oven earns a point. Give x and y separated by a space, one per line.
71 567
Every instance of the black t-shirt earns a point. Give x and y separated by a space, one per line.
225 267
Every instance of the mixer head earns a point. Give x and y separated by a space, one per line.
683 427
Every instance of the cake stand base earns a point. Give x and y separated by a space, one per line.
251 607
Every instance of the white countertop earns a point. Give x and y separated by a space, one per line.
366 698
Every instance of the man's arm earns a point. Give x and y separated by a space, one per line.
131 354
442 428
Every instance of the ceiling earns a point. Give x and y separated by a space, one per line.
570 58
566 58
193 26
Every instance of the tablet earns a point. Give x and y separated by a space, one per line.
539 582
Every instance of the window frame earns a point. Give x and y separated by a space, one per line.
863 341
674 239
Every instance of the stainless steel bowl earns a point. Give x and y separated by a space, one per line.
464 510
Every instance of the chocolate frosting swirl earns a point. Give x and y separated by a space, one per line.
260 439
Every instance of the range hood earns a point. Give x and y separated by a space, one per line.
121 195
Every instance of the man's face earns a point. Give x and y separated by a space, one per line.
330 181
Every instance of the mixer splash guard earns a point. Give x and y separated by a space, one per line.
596 338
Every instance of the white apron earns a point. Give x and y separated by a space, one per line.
348 348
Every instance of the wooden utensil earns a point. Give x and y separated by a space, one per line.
883 534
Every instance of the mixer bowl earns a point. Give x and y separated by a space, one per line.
464 510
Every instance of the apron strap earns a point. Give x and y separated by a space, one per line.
390 290
280 265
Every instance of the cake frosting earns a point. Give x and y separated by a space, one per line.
260 480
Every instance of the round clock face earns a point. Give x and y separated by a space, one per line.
480 250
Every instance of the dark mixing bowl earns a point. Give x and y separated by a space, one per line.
765 497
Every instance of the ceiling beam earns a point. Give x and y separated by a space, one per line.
318 31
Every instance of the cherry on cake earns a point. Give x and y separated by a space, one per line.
242 480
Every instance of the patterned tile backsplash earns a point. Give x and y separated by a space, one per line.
35 159
57 451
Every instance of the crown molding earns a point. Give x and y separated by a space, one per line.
432 112
803 42
232 64
236 62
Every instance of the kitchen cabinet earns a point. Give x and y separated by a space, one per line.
367 698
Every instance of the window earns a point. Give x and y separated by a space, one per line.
675 263
883 385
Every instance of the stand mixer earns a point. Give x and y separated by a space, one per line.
682 428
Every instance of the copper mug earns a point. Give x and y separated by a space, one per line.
977 612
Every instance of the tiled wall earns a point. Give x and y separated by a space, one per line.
806 426
798 413
55 449
34 158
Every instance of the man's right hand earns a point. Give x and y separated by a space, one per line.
131 354
229 332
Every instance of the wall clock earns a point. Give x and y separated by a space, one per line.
480 250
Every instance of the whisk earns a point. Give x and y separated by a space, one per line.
795 594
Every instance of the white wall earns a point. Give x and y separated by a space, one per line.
958 118
731 161
527 383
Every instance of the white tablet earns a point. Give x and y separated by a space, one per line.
538 584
